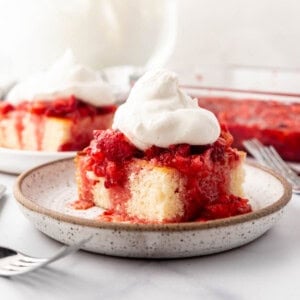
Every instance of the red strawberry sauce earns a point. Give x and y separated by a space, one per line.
69 108
272 122
206 169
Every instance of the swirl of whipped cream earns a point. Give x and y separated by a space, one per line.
63 79
158 113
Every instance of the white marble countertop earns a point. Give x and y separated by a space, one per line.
268 268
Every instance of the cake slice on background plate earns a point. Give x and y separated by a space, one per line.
165 160
56 110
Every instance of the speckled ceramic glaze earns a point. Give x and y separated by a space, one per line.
44 195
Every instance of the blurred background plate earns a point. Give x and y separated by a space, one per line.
17 161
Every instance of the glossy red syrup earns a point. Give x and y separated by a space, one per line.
69 108
206 169
5 108
272 122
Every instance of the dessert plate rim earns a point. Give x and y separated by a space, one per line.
256 214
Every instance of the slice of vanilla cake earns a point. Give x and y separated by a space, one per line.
56 110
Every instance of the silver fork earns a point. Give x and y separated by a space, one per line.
14 263
268 156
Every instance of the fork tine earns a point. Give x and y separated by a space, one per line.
16 263
254 147
276 162
268 156
263 154
284 168
18 266
15 270
282 164
29 259
8 273
13 267
22 263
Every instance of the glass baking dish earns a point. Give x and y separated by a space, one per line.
244 78
273 118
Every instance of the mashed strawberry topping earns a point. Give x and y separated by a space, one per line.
206 169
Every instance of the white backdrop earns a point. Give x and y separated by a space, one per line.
247 32
209 32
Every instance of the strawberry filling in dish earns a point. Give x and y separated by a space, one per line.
272 122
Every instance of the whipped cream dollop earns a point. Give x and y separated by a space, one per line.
63 79
157 112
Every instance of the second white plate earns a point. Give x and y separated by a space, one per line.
18 161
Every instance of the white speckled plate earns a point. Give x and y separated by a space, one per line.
17 161
45 192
